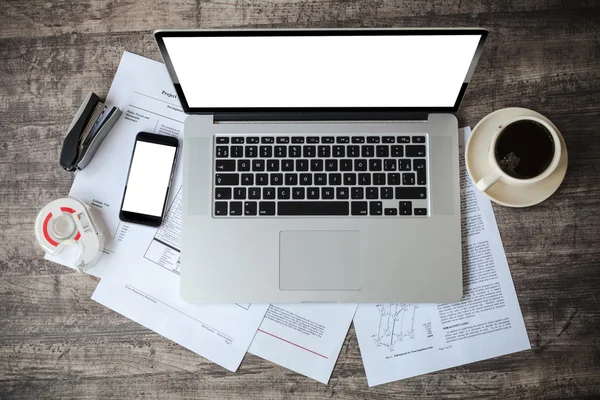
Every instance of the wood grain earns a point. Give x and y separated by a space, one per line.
57 343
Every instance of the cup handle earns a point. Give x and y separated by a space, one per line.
487 181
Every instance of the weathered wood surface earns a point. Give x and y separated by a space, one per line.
57 343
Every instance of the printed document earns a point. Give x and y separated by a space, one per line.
306 338
401 340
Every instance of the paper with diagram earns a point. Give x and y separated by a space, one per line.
306 338
401 340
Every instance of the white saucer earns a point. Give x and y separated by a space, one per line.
476 156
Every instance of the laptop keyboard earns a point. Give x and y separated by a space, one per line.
267 176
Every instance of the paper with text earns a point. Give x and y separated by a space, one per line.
306 338
400 340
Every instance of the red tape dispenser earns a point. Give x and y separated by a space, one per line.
66 222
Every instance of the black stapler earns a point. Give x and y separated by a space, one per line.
90 126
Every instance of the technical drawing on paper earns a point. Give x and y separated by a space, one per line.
396 323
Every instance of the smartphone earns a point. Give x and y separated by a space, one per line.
149 179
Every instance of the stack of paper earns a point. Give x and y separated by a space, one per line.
140 274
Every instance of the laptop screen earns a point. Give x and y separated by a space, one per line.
317 70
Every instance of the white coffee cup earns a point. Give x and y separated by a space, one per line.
496 174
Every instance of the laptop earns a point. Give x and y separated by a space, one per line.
321 165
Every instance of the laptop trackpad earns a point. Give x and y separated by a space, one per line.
319 260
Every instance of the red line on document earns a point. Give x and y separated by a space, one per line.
297 345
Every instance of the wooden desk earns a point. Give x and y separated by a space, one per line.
55 342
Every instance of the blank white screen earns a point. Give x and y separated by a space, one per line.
322 71
148 178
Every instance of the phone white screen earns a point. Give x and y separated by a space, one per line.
148 179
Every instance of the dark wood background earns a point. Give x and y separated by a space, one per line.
55 342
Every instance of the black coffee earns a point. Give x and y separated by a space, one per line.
524 149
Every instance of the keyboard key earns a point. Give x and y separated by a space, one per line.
388 139
411 151
420 211
267 139
235 208
312 208
346 165
309 151
353 151
374 164
372 193
373 139
387 193
222 152
243 165
251 151
404 165
405 207
342 193
403 139
297 193
364 179
419 166
389 165
357 193
359 208
393 178
283 139
258 165
305 179
297 139
342 139
375 208
238 140
382 151
327 193
254 193
418 139
391 211
312 193
268 193
320 179
227 179
237 151
280 151
222 140
339 151
350 179
316 165
301 165
411 193
239 193
312 139
262 179
295 151
225 165
266 151
283 193
324 151
273 165
250 208
397 151
276 179
287 165
266 208
335 179
222 193
360 165
327 139
331 165
358 139
220 208
291 179
368 151
408 178
379 179
247 179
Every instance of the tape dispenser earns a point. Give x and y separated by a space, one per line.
68 221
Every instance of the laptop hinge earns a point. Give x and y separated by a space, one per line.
321 116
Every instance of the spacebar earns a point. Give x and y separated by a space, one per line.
313 208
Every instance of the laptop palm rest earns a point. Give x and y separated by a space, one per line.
319 260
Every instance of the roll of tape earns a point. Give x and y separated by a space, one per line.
66 222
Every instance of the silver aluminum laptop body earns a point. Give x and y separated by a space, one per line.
319 258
